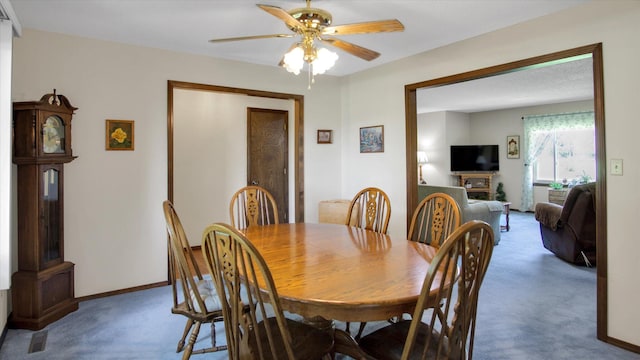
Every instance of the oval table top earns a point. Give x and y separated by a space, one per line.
341 272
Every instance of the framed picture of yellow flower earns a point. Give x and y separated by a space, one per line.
119 135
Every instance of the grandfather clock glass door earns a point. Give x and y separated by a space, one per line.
51 217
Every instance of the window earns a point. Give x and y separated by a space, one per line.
556 147
568 156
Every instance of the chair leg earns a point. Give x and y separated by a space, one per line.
192 340
360 330
187 328
213 338
213 334
213 348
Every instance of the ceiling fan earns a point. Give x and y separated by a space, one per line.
312 25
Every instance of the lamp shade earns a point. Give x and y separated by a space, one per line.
422 157
324 61
320 60
293 60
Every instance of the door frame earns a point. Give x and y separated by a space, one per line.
601 201
298 146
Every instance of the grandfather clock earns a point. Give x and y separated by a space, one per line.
43 287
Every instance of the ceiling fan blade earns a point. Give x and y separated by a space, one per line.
282 15
365 27
353 49
252 37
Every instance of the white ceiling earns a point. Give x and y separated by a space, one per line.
187 25
547 84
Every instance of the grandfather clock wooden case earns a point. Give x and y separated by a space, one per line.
43 287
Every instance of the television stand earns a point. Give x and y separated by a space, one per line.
478 185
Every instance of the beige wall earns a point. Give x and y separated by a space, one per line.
614 23
113 199
114 227
210 154
437 131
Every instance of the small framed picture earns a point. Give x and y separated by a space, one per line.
119 135
325 136
513 147
372 139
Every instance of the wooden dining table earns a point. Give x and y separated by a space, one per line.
327 272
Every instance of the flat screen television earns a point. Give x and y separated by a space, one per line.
469 158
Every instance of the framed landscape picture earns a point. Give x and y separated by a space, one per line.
119 135
324 136
513 147
372 139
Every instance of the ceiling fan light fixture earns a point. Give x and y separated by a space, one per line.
294 60
311 24
319 60
324 61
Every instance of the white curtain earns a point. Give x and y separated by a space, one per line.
537 133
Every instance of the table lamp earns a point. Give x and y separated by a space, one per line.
422 159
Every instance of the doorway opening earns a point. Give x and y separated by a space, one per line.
297 166
598 95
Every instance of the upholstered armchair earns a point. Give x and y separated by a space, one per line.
569 231
488 211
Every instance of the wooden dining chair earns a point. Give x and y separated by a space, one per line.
255 325
445 332
253 205
193 296
369 209
372 210
434 219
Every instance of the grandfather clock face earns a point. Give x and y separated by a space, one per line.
53 135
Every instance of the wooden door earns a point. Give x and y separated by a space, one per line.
267 155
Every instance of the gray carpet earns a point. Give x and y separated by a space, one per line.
532 306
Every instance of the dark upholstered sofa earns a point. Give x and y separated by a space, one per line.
569 231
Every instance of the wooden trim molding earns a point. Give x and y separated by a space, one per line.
123 291
601 190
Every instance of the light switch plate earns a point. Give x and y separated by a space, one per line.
616 166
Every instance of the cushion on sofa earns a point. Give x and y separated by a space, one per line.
488 211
